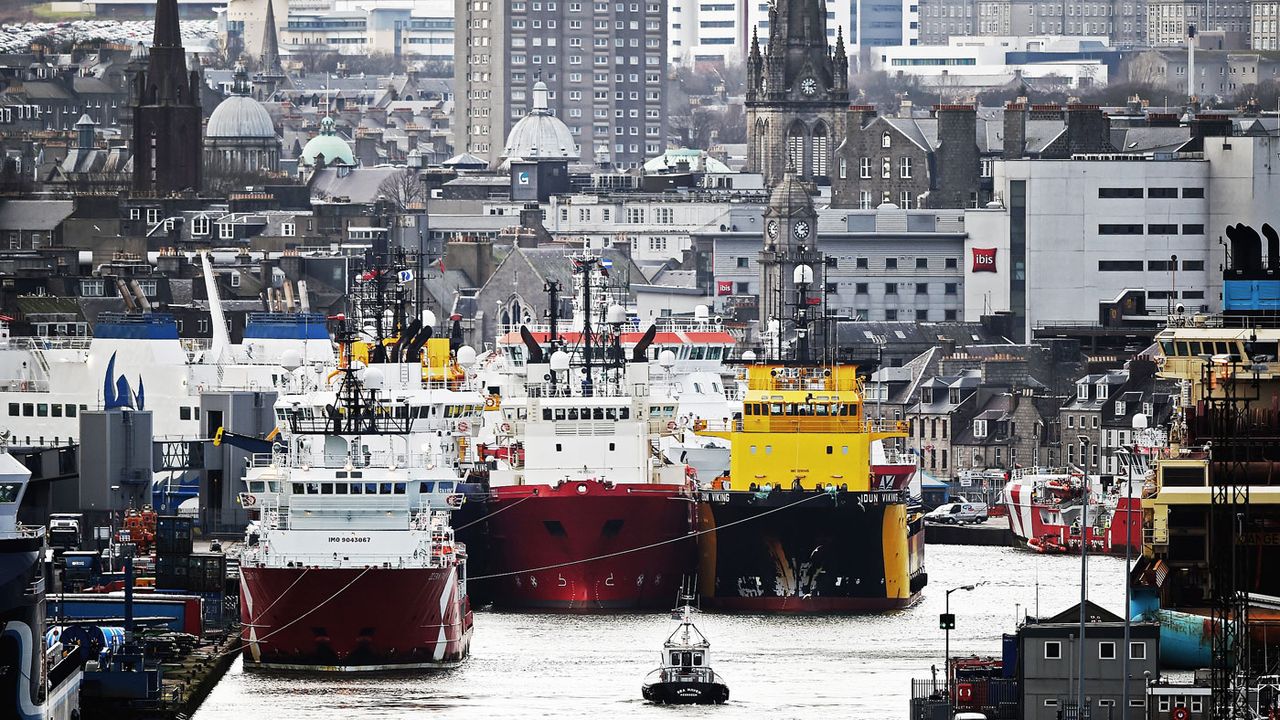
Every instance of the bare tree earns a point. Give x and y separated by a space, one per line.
404 191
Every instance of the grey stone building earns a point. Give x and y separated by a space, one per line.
1049 655
603 63
1122 22
797 89
910 162
1167 20
885 264
1081 418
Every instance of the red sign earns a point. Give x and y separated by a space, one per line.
724 287
984 260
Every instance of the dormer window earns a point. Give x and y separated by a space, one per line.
979 428
1148 409
1082 391
954 396
1120 408
926 395
199 226
1102 391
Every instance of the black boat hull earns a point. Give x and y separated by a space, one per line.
686 693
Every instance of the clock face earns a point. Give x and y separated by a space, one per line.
773 229
800 229
809 86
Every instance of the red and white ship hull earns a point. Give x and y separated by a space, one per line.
1038 521
574 547
354 619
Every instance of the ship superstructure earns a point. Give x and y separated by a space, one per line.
1212 513
813 514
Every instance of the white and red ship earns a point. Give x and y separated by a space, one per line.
352 563
1046 510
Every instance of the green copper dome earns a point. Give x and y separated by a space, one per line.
327 144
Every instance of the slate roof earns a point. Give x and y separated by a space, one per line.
360 183
34 214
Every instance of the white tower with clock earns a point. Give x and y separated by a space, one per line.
790 241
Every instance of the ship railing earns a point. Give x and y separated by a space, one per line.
899 457
20 385
378 459
50 343
574 389
23 532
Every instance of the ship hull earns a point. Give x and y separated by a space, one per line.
792 551
22 627
1041 526
354 619
585 545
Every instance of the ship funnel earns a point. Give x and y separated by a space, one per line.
1246 248
1273 247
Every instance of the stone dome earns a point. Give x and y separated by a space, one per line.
540 135
790 192
327 143
240 116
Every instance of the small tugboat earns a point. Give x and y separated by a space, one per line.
686 677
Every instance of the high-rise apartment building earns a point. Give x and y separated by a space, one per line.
604 65
707 31
1264 33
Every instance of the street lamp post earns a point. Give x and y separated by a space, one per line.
948 621
1084 564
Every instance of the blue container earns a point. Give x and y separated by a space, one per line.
1009 656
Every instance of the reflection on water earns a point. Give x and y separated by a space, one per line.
591 666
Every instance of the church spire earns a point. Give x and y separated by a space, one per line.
270 44
167 32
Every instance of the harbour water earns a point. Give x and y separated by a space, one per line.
590 666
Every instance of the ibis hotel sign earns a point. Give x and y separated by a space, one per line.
984 260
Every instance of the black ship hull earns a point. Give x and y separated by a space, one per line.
809 552
22 626
686 693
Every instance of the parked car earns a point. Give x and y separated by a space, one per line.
959 513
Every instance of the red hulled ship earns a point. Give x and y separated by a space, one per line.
351 564
583 513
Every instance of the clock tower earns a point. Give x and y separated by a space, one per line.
797 92
790 297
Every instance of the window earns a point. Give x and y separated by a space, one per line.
1106 702
1120 192
226 231
1119 229
744 262
886 169
200 226
1162 229
951 288
891 288
1107 650
904 167
1161 192
891 314
860 288
922 315
891 263
922 288
1193 229
951 263
864 168
1119 266
1137 651
288 229
922 263
1196 265
1192 192
1052 648
885 140
860 263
